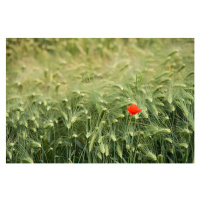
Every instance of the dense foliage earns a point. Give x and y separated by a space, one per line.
66 100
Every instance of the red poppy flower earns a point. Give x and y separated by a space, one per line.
133 109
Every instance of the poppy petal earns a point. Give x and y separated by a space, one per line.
133 109
130 113
139 110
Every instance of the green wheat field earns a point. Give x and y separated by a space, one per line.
66 100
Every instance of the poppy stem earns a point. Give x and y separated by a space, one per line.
136 148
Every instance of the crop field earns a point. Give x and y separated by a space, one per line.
66 100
